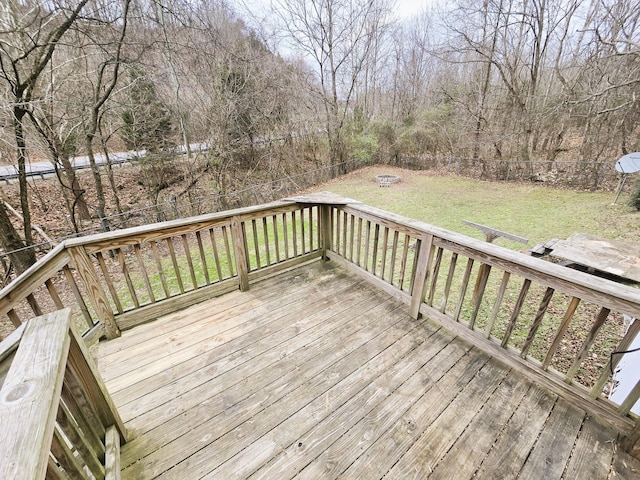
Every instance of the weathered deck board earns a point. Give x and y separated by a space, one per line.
316 374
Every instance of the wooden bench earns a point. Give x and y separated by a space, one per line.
492 233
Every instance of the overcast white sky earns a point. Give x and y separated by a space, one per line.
405 8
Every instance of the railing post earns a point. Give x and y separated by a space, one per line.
425 257
325 226
240 251
30 396
95 291
631 443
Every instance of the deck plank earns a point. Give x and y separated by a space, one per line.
348 431
316 373
593 452
462 460
263 358
549 456
243 428
512 448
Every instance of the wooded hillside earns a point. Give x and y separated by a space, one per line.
312 84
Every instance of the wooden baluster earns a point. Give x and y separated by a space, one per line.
359 244
302 233
403 261
285 232
623 346
478 292
138 252
537 321
174 262
227 249
564 326
276 240
33 303
385 244
54 294
187 253
599 322
374 256
336 224
238 238
394 252
158 262
631 399
631 443
83 413
325 226
496 306
367 241
434 277
73 432
516 312
15 319
414 265
311 226
107 280
216 255
425 257
127 277
295 233
256 245
65 457
352 228
112 454
447 286
203 258
81 366
78 296
265 235
345 223
463 289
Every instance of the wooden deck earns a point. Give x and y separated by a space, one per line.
316 374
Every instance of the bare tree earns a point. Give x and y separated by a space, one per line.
339 37
30 33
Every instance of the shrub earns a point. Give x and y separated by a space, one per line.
634 201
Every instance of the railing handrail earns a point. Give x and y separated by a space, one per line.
180 224
249 229
35 419
532 265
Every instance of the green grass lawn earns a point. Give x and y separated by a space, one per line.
536 212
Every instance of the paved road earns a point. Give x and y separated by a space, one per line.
40 169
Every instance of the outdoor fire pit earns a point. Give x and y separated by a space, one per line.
387 180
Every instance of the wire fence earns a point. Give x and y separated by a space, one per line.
175 208
584 175
573 174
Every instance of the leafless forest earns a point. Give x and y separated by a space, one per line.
312 84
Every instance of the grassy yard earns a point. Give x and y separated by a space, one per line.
536 212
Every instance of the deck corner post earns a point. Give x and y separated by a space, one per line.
425 257
94 289
238 238
631 443
325 222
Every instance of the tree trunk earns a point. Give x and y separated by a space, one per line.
18 116
21 258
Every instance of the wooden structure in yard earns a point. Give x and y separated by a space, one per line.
612 257
225 353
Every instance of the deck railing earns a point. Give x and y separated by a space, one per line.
56 416
115 280
556 325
